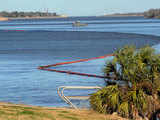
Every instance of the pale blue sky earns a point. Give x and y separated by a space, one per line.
80 7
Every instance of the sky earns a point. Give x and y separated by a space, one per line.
80 7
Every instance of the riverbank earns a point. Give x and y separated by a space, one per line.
26 18
10 111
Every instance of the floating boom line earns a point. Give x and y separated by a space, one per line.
47 67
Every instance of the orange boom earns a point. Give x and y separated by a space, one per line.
46 67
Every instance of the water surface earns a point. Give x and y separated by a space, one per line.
50 41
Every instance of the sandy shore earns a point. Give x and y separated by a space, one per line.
3 19
24 18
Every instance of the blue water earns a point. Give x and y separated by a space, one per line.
49 41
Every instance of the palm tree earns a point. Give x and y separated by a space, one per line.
140 69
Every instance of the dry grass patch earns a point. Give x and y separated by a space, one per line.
24 112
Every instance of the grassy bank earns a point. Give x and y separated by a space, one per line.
23 112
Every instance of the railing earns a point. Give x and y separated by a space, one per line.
68 98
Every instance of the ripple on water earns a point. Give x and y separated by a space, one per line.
22 52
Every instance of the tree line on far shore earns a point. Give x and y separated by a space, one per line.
152 13
27 14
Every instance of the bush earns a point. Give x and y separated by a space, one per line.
140 69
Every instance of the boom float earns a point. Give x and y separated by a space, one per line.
47 67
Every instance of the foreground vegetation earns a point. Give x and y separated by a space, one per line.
139 96
23 112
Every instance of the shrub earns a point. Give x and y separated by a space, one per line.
140 70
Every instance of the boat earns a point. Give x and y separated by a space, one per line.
78 24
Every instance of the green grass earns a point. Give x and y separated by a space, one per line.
63 111
21 112
25 112
68 117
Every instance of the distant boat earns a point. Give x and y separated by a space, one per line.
78 24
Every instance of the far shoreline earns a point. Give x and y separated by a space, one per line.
63 16
27 18
121 15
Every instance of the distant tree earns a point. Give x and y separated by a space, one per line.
26 14
4 14
152 13
14 14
